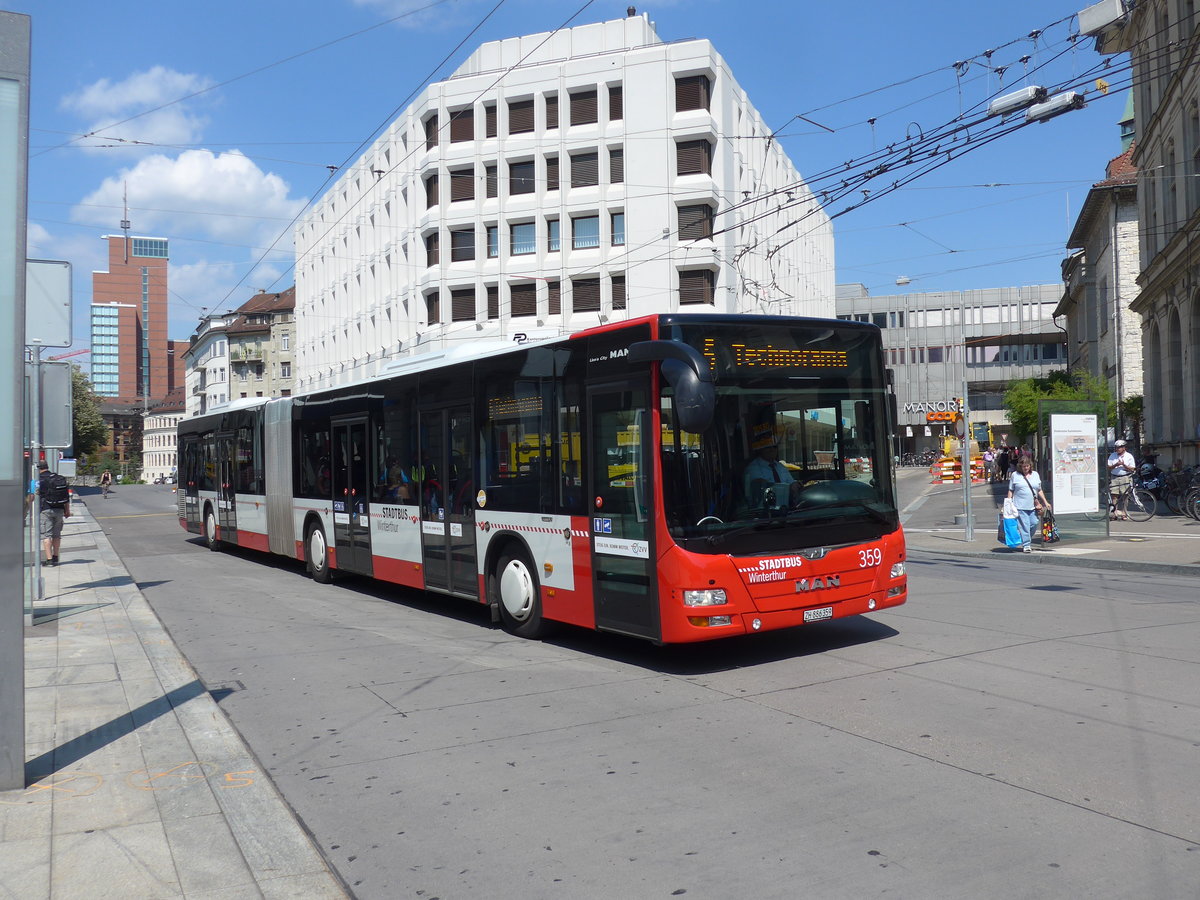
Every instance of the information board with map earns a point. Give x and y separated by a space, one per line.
1074 465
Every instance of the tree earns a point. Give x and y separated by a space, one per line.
1021 398
1133 413
88 431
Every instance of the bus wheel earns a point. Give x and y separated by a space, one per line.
517 590
210 530
318 556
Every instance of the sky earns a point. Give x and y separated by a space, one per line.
219 123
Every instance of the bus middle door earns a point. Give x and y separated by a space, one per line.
227 487
447 501
351 496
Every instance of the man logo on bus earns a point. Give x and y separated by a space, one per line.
805 585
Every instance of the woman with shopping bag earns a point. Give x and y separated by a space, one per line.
1025 491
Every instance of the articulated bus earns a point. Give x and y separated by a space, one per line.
675 477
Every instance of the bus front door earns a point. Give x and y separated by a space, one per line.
624 586
447 501
227 487
351 495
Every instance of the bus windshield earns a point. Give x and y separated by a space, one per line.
798 453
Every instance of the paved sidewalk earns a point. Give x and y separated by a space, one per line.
138 785
1168 544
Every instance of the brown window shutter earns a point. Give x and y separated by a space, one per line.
489 120
695 223
522 179
618 292
696 287
431 249
616 103
433 311
551 111
524 299
431 132
552 173
585 294
493 302
554 298
693 158
691 92
462 305
462 125
462 244
492 181
583 108
585 169
520 116
616 166
462 185
431 191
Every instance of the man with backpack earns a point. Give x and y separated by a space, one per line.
55 497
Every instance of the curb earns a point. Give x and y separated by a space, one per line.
1050 558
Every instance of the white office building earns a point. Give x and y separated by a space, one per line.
553 183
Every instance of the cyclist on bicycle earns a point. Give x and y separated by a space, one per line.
105 482
1120 474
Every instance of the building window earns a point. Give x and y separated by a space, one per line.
585 169
618 229
523 237
618 291
692 92
551 173
696 287
616 166
523 299
493 241
154 248
462 305
285 370
551 111
616 104
462 185
489 120
695 223
462 125
431 191
585 294
431 132
492 180
521 178
554 298
433 313
462 244
431 249
553 243
493 302
585 232
583 108
520 116
693 158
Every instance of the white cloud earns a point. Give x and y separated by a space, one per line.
105 102
223 197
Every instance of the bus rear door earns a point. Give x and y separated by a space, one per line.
447 500
227 487
351 496
620 435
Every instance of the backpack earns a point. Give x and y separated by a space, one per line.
55 492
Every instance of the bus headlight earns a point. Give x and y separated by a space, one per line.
708 597
898 570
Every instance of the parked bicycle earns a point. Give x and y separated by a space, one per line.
1134 503
1182 492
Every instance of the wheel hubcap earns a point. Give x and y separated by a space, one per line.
317 550
212 527
516 590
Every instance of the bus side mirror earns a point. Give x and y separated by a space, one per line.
688 374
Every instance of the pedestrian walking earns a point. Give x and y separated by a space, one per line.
989 460
1025 491
55 496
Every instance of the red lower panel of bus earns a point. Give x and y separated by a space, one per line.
398 571
253 541
575 607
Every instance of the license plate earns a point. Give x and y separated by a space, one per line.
816 615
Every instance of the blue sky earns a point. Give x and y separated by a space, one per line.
278 91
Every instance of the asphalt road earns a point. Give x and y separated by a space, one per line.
998 736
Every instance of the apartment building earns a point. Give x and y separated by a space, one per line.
556 182
260 346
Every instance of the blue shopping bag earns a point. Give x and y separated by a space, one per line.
1012 537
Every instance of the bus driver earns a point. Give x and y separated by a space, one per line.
767 473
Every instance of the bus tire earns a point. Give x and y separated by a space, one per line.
518 595
211 541
316 555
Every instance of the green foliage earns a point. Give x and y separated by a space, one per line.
1021 398
88 430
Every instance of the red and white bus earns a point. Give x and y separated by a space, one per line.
675 477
